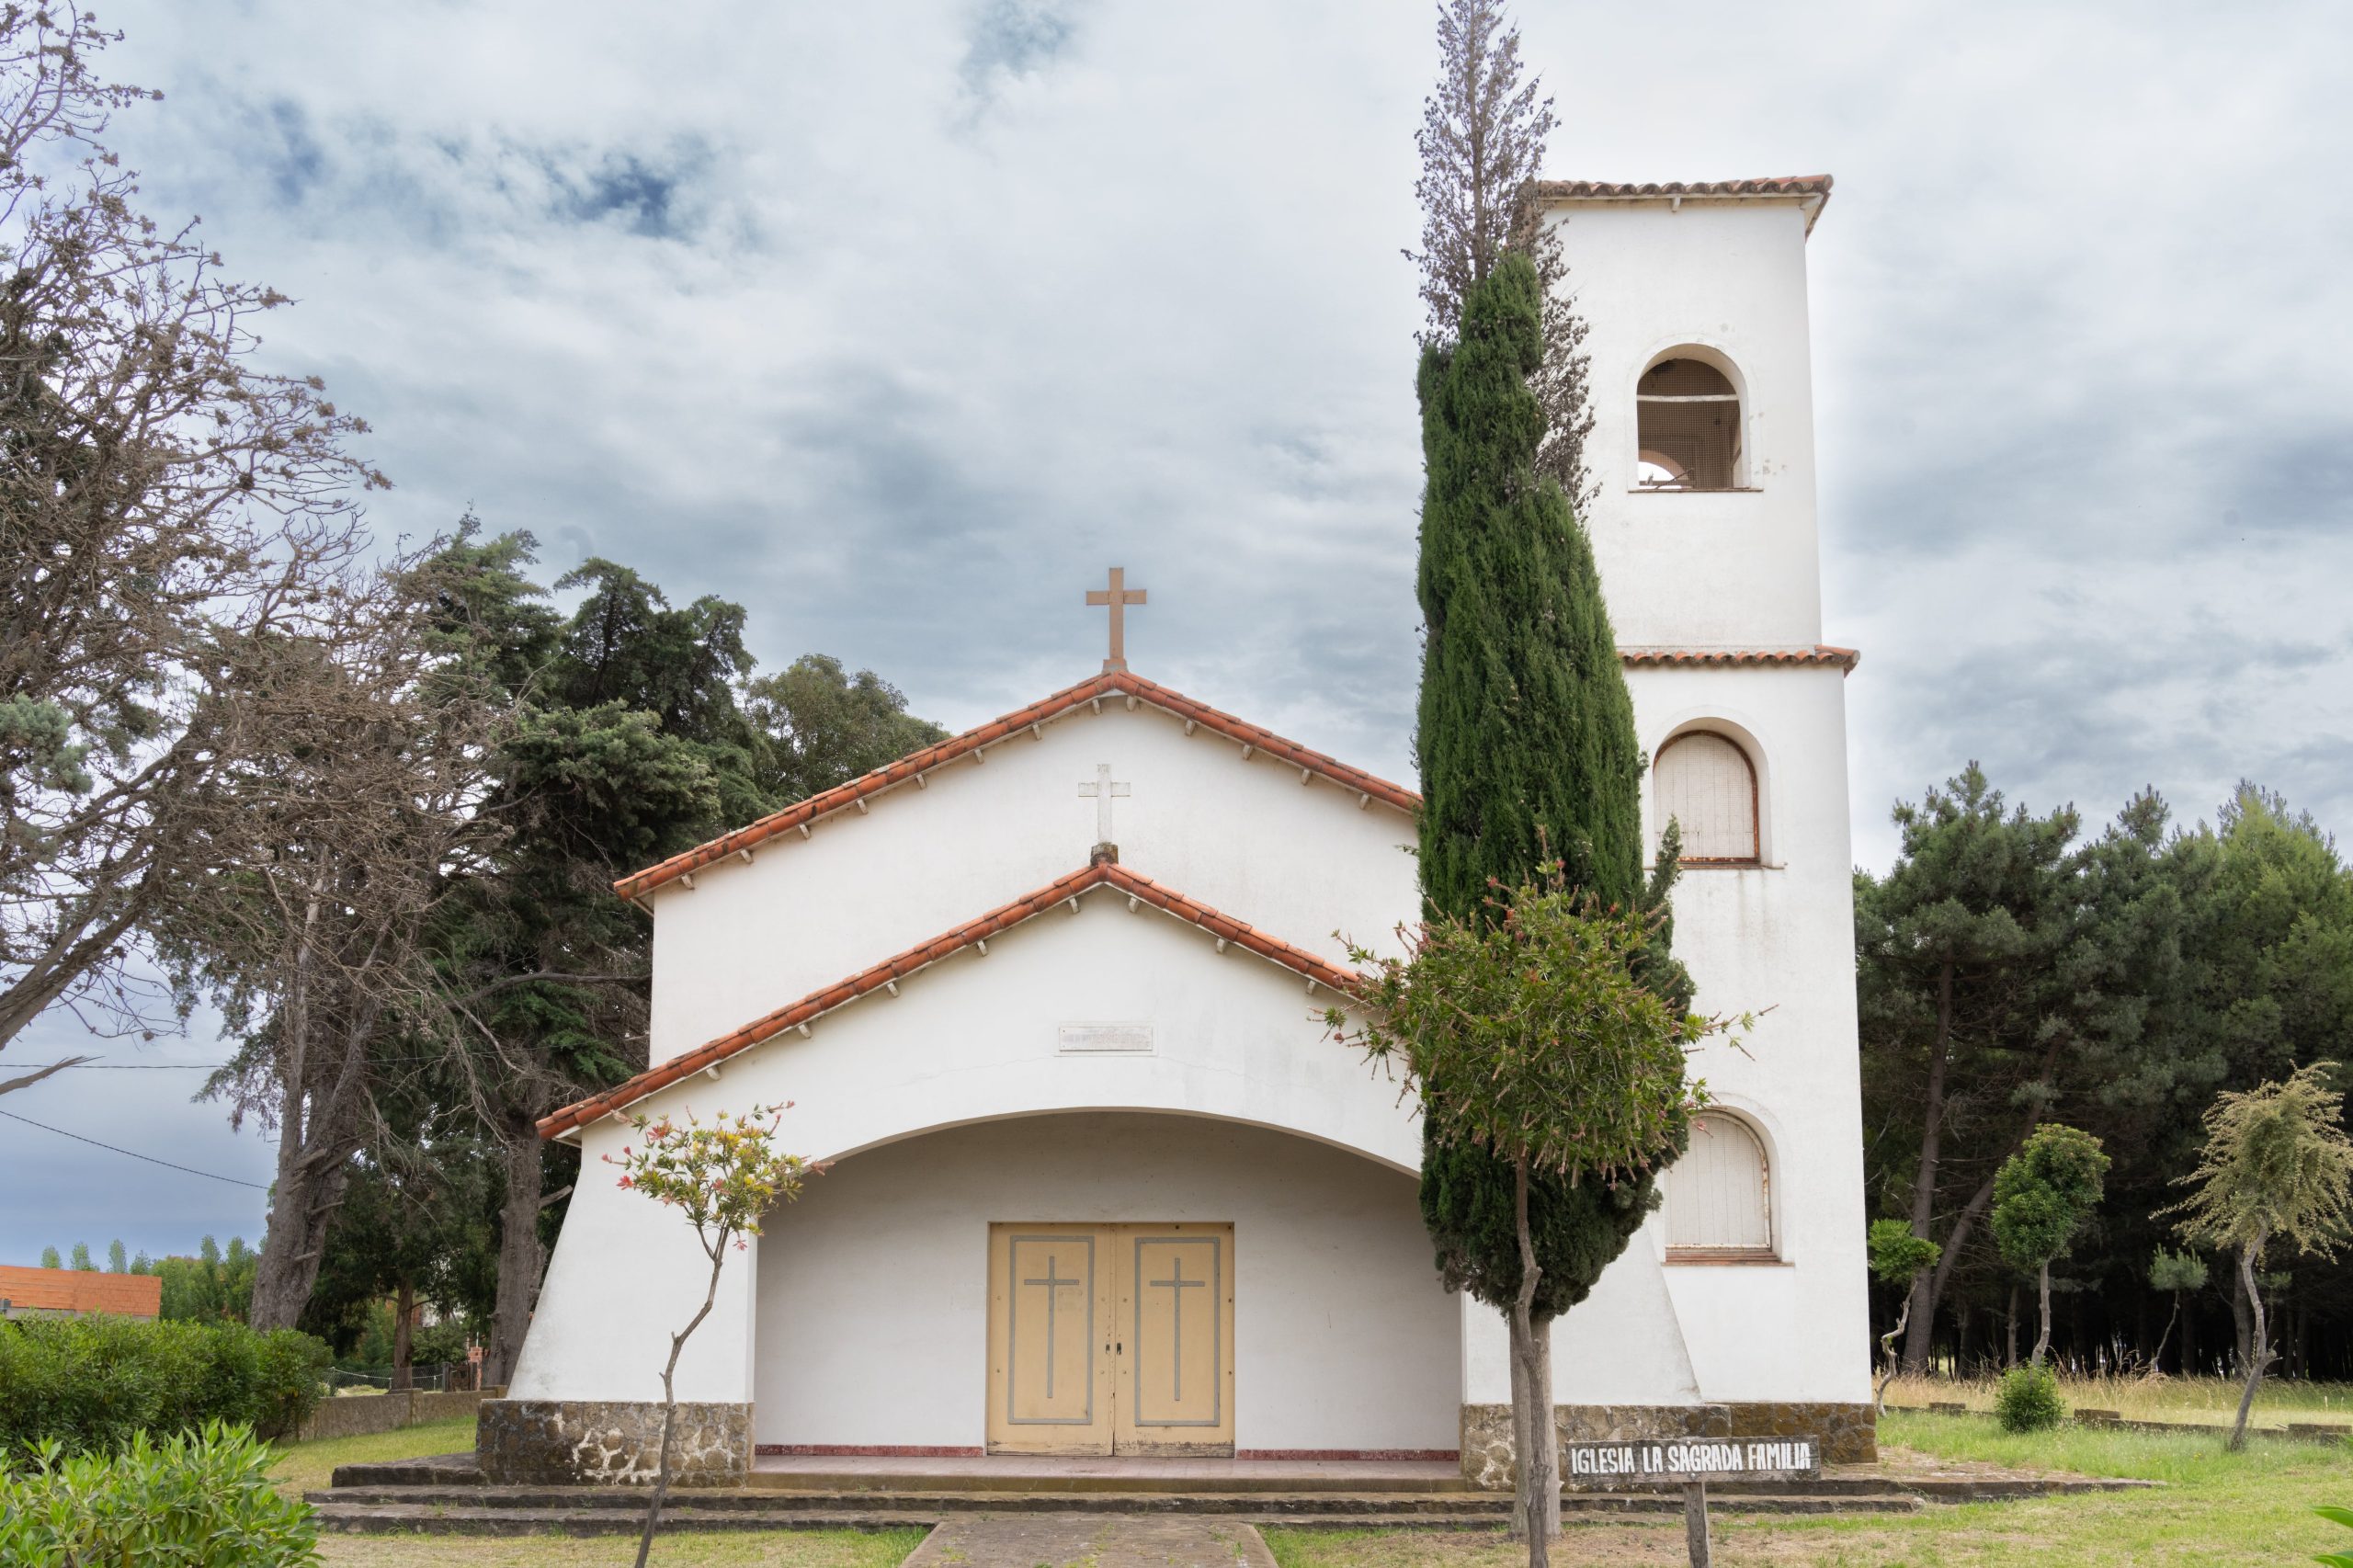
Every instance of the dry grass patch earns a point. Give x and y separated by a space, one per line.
2211 1401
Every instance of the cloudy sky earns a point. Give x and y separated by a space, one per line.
897 322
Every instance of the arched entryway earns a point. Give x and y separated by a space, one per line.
874 1323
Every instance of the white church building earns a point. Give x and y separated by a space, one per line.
1045 997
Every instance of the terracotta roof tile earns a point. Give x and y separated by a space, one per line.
868 981
1813 187
1120 683
80 1291
1820 655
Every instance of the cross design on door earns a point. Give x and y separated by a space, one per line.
1176 1285
1053 1293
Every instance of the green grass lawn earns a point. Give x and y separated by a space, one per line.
304 1467
2216 1508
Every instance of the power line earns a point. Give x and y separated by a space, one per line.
134 1153
134 1066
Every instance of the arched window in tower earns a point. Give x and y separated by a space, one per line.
1687 416
1719 1195
1705 782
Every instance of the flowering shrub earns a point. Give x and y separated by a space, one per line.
723 1176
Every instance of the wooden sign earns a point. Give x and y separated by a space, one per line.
1690 1464
1675 1460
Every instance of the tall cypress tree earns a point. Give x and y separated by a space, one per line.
1527 735
1527 753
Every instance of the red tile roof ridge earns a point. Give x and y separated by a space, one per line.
1312 966
1093 689
1814 190
1769 184
1813 654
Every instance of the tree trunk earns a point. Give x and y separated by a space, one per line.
2239 1326
1920 1307
521 1259
1538 1466
1523 1438
403 1338
2010 1339
2043 1339
1887 1348
1960 1338
670 1401
2188 1310
2259 1354
2158 1357
319 1127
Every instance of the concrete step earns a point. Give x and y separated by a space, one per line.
491 1511
416 1518
925 1504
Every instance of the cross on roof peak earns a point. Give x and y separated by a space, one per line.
1118 596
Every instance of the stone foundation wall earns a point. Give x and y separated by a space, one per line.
1848 1432
534 1442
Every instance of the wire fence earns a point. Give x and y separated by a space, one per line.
441 1377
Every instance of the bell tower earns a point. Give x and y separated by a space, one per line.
1703 524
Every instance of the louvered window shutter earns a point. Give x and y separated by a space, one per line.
1705 783
1716 1195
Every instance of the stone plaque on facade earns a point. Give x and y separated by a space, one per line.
1103 1040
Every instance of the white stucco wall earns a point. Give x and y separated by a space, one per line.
1691 567
873 1306
1297 861
1777 940
972 1039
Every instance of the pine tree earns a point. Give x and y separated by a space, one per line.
1528 754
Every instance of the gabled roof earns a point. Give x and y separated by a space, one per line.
1103 874
1812 190
1122 684
1819 655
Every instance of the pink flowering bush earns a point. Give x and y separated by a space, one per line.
725 1177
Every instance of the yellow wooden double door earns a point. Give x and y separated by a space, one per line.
1110 1339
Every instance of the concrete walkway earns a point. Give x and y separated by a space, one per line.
1097 1541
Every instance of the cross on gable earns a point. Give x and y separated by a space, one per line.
1102 790
1118 596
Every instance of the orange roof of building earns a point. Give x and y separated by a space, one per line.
1094 690
1819 655
80 1291
1107 873
1811 189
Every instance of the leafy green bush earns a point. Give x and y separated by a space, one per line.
2027 1399
90 1384
200 1500
2336 1559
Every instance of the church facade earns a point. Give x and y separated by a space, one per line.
1046 998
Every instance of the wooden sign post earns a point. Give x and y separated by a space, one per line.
1693 1461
